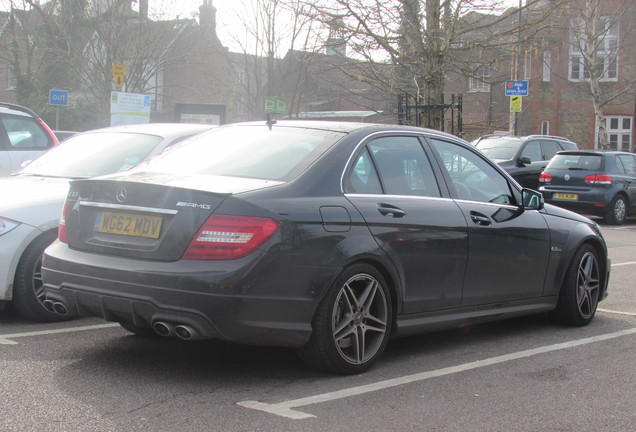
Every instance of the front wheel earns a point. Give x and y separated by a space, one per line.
580 293
617 211
352 325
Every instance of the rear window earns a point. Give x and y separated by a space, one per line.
93 154
576 162
253 151
499 148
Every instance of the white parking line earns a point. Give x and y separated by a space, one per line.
285 409
6 339
624 264
616 312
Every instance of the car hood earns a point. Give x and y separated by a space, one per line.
36 201
201 182
561 212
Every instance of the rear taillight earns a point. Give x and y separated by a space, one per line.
598 179
224 237
62 233
545 177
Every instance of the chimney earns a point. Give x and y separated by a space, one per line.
207 14
143 8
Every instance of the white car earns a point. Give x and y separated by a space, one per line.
32 199
23 137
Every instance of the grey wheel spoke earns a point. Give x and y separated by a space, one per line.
360 318
588 284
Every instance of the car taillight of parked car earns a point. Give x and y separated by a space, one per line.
62 233
598 179
48 131
224 237
544 177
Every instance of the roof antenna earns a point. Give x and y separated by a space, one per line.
270 122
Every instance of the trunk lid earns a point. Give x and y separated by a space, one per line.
144 215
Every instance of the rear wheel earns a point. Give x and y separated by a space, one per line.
617 211
581 289
353 323
28 292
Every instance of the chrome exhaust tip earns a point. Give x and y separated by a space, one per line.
186 332
60 308
48 305
163 328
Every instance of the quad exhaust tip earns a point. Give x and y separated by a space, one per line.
163 328
55 307
186 332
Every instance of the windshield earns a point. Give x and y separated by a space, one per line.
250 151
499 148
576 162
93 154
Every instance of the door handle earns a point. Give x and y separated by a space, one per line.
389 210
480 219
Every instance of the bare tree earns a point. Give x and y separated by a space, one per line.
427 40
268 34
594 56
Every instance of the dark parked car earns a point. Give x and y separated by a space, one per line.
524 157
23 137
592 182
326 237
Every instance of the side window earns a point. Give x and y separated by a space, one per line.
550 148
403 166
628 163
472 177
363 178
532 149
25 133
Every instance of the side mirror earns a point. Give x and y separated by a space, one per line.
532 200
523 161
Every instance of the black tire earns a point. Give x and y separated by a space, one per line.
352 324
139 331
580 293
28 293
617 211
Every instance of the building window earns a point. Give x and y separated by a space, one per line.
239 105
606 43
545 127
12 81
547 56
479 81
527 65
619 132
240 76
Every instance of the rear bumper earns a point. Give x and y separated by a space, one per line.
589 202
219 300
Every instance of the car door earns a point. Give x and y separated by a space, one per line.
528 174
626 165
393 185
508 247
26 140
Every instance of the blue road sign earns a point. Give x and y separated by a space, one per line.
517 88
58 97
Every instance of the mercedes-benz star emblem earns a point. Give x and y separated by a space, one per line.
567 177
121 194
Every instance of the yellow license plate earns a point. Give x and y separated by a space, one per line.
566 196
128 224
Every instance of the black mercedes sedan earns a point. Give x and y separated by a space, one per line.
327 237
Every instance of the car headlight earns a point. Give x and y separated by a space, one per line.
7 225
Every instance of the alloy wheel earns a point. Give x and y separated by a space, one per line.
360 319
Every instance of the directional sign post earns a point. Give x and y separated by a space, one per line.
58 98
